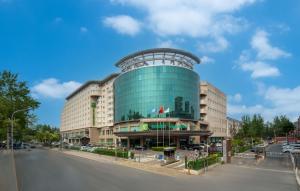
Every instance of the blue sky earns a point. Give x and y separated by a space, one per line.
249 48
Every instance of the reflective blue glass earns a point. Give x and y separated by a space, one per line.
140 91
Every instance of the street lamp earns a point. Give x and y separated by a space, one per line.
12 125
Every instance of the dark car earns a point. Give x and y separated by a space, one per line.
140 148
198 147
17 146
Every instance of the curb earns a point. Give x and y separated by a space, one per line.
295 169
130 164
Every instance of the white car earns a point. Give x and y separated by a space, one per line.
287 148
295 150
84 148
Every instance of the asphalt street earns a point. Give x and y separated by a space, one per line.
7 172
44 170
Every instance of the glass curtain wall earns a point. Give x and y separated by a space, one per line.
141 91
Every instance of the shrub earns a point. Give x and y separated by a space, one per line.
160 149
118 153
74 148
201 163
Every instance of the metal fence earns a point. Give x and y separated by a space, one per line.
296 158
276 155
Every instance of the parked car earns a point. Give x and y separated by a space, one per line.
198 147
140 148
2 145
287 149
17 146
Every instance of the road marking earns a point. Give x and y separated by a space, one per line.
266 169
180 165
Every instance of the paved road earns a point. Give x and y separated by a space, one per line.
43 170
7 169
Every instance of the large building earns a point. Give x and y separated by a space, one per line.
88 113
213 109
233 127
153 101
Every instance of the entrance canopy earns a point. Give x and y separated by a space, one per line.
153 133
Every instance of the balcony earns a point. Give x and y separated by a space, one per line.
202 110
203 102
203 92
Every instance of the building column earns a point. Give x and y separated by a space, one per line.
177 142
141 141
128 143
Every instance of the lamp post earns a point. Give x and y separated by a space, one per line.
12 125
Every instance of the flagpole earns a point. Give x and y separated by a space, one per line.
169 128
157 131
163 134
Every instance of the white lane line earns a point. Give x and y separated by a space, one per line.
180 165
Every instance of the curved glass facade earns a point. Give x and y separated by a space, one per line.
139 91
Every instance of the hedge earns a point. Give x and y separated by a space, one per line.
118 153
160 149
200 163
74 148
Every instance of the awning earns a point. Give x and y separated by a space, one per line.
153 133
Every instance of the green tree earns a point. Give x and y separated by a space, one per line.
246 125
282 125
46 134
14 95
257 126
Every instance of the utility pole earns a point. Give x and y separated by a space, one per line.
12 126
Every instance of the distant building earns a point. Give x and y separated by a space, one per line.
233 126
297 124
213 110
88 113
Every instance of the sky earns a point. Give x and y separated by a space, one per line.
249 48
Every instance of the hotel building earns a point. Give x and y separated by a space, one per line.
155 100
213 109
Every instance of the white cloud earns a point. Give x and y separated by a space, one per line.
192 18
260 69
236 97
218 45
206 60
278 101
286 98
123 24
52 88
166 44
83 29
197 18
258 66
265 50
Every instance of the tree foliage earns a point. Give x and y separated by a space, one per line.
15 95
255 127
282 125
46 134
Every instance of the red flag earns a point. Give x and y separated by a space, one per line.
161 109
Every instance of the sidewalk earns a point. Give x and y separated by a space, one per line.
8 179
154 168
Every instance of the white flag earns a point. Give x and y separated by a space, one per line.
153 110
167 110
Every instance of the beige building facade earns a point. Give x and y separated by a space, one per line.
88 113
213 109
233 127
